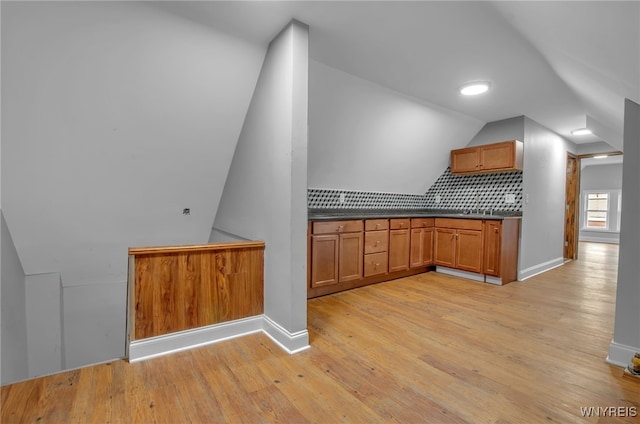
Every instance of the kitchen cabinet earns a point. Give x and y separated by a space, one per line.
336 252
459 244
421 246
376 242
501 250
495 157
399 244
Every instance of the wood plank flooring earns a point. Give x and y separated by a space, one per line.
424 349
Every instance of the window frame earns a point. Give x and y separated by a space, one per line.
612 208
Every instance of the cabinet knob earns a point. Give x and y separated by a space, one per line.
377 226
495 230
377 242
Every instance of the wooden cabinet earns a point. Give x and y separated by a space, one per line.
459 244
421 246
496 157
501 250
336 252
376 242
399 243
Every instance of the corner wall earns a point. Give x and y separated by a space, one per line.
626 338
265 195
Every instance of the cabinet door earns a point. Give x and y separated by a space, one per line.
421 247
398 250
469 250
324 260
465 160
445 247
492 248
350 257
497 156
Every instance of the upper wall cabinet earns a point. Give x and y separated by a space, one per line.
496 157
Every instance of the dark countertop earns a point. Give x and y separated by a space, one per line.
342 214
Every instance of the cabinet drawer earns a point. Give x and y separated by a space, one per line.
376 241
376 224
399 223
422 222
375 263
464 224
332 227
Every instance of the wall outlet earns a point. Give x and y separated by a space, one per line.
509 198
342 198
438 198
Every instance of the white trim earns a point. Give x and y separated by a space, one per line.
615 240
540 268
139 350
462 274
620 354
175 342
290 342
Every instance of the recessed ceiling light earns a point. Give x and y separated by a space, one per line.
581 131
600 156
474 88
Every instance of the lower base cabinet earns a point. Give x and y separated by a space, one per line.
349 254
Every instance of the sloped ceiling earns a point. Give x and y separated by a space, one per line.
564 64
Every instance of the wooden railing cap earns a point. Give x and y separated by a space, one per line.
196 247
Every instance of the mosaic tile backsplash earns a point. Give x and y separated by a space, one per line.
456 192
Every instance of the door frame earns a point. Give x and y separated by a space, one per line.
571 232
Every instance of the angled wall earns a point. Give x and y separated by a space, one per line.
366 137
265 195
116 116
13 345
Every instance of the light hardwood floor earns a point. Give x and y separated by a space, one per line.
429 348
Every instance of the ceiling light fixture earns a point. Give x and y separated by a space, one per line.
581 131
600 156
474 88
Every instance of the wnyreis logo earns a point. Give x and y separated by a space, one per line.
609 411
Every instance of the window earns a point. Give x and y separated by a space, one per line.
601 210
597 211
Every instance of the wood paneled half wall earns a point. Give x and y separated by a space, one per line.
177 288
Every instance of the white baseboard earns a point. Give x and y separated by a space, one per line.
614 240
620 354
290 342
540 268
152 347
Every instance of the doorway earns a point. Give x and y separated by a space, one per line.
572 201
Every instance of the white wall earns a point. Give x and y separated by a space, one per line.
626 338
545 155
266 190
601 177
44 324
363 136
494 132
544 174
13 347
116 116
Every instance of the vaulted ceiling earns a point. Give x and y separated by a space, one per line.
566 65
